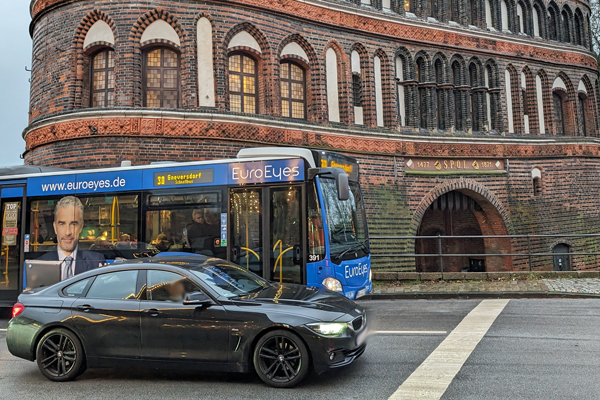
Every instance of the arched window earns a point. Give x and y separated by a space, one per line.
525 102
457 82
103 79
559 113
540 103
162 77
520 19
474 82
504 15
488 98
439 79
581 106
243 84
452 11
537 21
472 12
489 21
401 92
422 97
293 90
578 30
357 88
565 27
432 8
552 25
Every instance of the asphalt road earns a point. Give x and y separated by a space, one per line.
534 349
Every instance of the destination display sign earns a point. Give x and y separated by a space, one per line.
186 177
455 166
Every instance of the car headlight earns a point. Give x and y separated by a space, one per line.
329 329
332 284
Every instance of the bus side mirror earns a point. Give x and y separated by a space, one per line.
343 188
340 176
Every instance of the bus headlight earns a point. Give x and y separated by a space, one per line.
331 329
332 284
370 275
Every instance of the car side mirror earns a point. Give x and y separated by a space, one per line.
196 299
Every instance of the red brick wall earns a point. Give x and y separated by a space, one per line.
396 201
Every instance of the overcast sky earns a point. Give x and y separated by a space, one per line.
15 55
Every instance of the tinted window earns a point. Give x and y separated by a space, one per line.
115 285
76 289
229 280
169 286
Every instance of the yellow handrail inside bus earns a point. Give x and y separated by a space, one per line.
280 261
251 251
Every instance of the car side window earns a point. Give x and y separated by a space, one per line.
168 286
115 286
77 289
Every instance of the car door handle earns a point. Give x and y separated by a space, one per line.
153 312
85 307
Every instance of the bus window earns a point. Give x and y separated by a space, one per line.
316 235
108 225
10 253
286 234
185 223
246 233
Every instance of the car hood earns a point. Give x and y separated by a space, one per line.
292 295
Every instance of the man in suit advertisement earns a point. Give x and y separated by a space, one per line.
68 224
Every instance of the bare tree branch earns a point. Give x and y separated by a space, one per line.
595 28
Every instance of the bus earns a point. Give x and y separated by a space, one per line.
290 215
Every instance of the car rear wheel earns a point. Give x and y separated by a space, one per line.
60 355
281 359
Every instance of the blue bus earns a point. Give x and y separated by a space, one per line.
291 215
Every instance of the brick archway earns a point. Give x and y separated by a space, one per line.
462 207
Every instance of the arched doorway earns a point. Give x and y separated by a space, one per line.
462 212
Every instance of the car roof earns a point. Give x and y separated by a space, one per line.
170 262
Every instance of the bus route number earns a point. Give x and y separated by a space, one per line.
314 257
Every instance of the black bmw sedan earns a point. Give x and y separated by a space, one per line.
190 312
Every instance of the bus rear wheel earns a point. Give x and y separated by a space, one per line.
281 359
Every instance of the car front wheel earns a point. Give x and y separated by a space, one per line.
60 355
281 359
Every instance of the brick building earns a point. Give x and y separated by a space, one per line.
470 117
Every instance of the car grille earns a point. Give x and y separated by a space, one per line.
357 323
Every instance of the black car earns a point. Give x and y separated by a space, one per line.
191 312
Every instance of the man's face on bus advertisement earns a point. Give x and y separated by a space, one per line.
68 224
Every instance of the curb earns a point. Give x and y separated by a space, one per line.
478 295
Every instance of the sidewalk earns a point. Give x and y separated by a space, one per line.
543 288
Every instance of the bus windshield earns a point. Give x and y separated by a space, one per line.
346 222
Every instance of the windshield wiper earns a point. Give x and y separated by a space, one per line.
356 246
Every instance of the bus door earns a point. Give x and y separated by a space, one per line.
246 234
11 205
266 234
286 233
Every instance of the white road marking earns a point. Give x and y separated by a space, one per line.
409 332
435 374
2 330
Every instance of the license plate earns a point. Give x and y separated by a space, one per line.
361 293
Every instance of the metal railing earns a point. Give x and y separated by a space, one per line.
532 247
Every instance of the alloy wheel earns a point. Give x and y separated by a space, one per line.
280 359
58 355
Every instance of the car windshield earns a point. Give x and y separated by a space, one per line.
230 280
346 220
